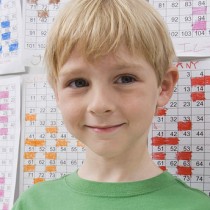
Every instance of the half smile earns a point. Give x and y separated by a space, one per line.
105 128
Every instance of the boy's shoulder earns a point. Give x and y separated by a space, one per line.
189 195
41 194
46 186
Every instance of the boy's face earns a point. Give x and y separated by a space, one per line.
109 104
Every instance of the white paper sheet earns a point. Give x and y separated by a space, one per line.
48 150
180 135
9 139
189 24
11 37
181 131
38 17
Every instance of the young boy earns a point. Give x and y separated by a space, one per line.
110 66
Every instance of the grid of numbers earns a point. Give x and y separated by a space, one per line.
9 142
180 139
38 16
49 150
185 18
9 44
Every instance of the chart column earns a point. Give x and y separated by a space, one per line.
207 133
198 126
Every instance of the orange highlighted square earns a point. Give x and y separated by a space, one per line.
29 168
35 142
30 117
29 155
61 143
51 155
51 129
37 180
80 144
50 168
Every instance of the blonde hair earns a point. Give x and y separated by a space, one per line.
99 27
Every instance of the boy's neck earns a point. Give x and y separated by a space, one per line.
123 169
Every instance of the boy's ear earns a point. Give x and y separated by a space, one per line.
167 86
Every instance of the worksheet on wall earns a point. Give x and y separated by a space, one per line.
179 140
11 37
38 15
180 136
48 151
9 139
188 22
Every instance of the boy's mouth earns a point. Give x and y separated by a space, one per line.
104 128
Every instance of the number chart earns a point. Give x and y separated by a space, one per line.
180 137
49 150
9 139
188 22
10 40
38 17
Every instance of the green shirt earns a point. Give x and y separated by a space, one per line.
163 192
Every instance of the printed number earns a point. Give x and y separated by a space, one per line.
199 178
188 18
186 104
173 163
186 163
160 133
160 148
200 118
186 148
175 89
187 178
199 163
199 148
174 33
201 3
187 89
186 133
160 119
199 133
160 163
199 103
173 119
161 5
41 162
173 104
186 33
41 175
186 118
174 19
188 4
174 4
173 148
199 33
201 18
173 133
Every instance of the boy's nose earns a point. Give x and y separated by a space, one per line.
101 102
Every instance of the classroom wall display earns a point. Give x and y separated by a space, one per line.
189 24
38 15
180 134
9 139
11 37
179 139
48 150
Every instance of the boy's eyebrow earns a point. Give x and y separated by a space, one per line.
127 66
65 71
119 66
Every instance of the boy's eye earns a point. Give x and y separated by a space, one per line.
125 79
78 83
